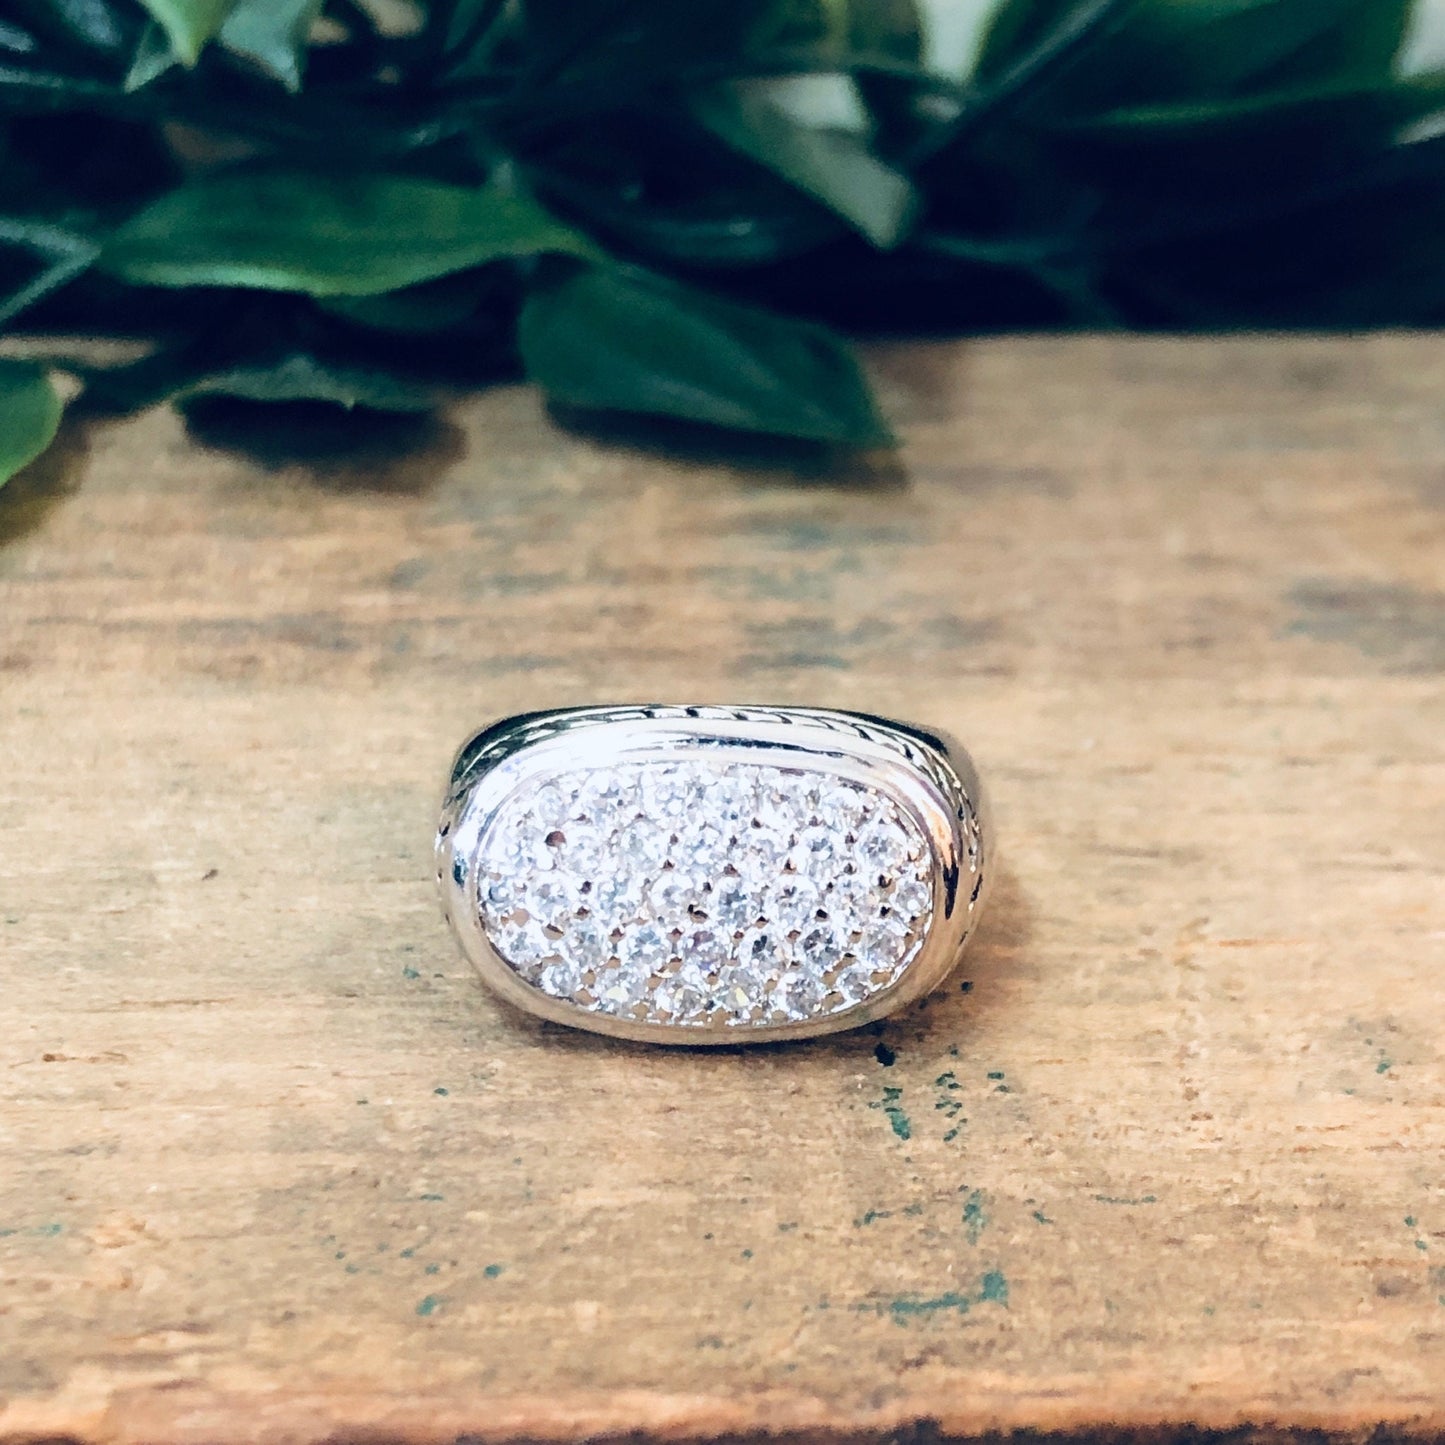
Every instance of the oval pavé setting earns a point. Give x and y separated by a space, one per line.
711 875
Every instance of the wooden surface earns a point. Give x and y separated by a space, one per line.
275 1168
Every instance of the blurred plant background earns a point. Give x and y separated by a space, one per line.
655 207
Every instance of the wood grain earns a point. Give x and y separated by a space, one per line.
1170 1152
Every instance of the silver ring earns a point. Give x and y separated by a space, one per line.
712 875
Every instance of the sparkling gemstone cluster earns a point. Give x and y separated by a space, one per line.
702 892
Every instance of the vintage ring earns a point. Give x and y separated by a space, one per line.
712 875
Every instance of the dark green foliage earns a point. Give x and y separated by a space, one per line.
616 340
29 414
656 207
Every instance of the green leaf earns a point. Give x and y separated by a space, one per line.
954 33
327 235
618 45
30 412
300 376
631 341
1422 41
1356 46
188 23
825 155
100 26
68 254
467 18
470 33
1214 47
1351 116
153 57
842 34
273 34
1169 52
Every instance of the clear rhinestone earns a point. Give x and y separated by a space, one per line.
586 943
646 948
520 940
515 852
821 946
883 941
729 803
551 807
667 794
799 993
855 983
615 901
858 895
795 902
841 807
619 989
551 900
816 852
561 978
882 847
669 896
763 950
607 796
704 849
768 844
685 995
499 896
910 897
733 904
642 850
740 990
584 852
705 949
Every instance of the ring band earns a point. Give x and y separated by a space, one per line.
712 875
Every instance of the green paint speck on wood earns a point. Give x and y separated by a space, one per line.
975 1216
993 1287
897 1119
907 1305
39 1231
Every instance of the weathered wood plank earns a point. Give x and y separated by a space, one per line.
274 1166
